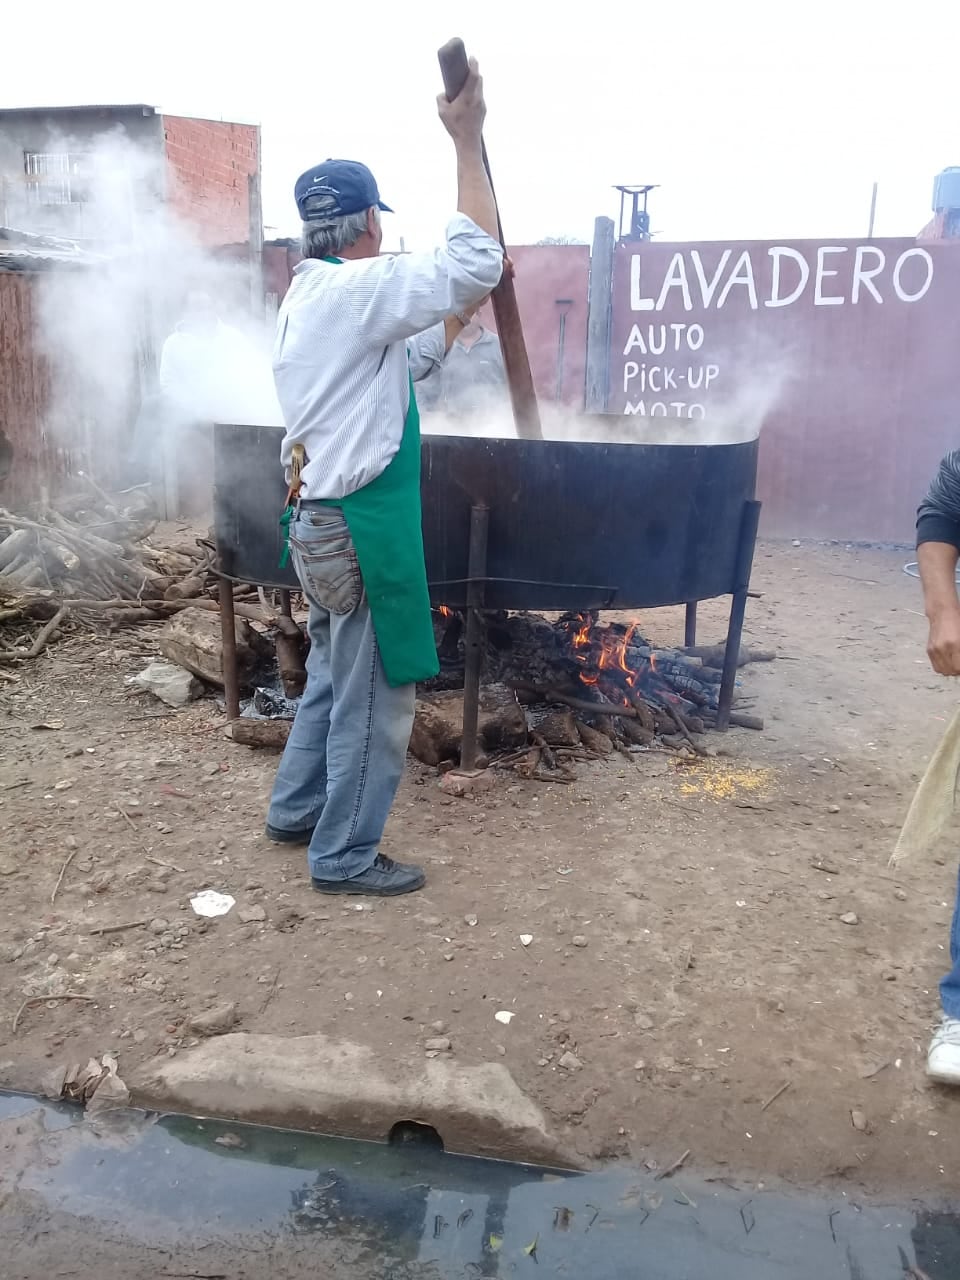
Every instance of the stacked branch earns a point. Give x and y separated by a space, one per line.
88 557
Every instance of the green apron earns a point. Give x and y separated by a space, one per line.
385 523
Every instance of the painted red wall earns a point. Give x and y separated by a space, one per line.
211 163
859 394
546 273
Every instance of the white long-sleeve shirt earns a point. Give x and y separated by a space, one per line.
344 335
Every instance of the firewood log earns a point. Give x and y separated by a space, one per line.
126 617
593 739
185 588
557 728
438 723
26 572
14 545
293 672
712 655
259 733
59 557
636 733
192 639
89 541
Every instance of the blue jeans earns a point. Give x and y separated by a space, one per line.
950 986
344 758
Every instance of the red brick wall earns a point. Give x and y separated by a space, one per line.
210 165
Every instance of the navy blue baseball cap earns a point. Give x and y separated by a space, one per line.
335 189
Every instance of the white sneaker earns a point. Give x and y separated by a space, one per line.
943 1057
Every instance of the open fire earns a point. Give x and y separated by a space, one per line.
583 685
625 669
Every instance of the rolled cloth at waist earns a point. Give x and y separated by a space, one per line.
935 800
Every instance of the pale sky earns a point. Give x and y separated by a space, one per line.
758 120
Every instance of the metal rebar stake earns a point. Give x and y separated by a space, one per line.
731 654
473 637
228 635
690 625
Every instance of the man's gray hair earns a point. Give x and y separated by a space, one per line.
327 239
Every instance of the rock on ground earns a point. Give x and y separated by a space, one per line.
216 1021
316 1082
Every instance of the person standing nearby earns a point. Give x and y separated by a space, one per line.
938 550
355 330
472 381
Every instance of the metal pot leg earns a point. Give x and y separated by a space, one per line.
745 549
690 625
473 637
228 635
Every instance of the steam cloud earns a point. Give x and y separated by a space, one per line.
753 384
102 327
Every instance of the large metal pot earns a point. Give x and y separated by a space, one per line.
571 525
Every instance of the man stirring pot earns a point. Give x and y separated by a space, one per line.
354 333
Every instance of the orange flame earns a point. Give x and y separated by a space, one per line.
445 612
606 650
582 637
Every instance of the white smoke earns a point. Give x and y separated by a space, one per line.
102 327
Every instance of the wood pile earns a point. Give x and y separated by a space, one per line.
87 560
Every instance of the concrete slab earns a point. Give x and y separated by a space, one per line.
339 1087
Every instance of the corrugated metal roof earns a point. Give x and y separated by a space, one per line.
103 106
27 251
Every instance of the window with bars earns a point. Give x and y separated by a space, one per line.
55 177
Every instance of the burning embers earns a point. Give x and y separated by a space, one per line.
623 667
585 686
638 691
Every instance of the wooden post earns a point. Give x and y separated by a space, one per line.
599 317
454 68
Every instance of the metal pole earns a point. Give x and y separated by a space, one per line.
690 625
745 548
286 607
561 337
599 317
473 639
873 211
228 634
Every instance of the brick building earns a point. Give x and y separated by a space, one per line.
78 187
208 171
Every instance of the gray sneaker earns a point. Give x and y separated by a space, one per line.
385 879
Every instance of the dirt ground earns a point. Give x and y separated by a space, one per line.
685 948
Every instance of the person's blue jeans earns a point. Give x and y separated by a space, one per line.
950 986
344 758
